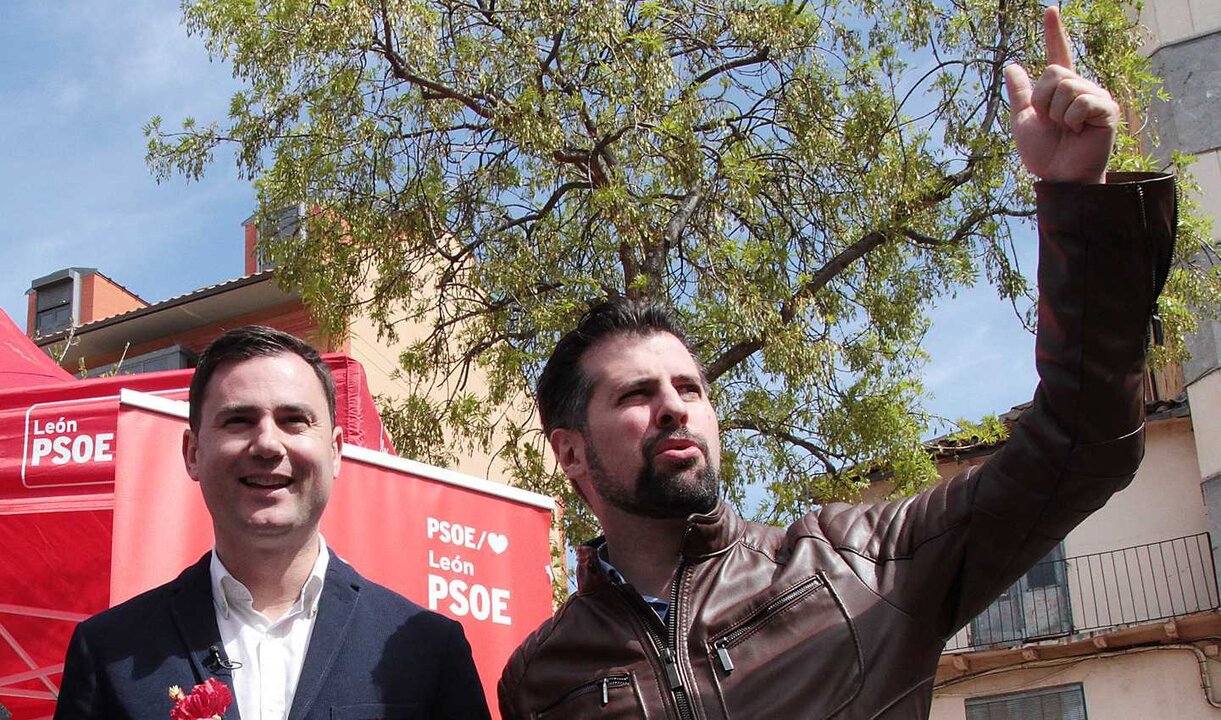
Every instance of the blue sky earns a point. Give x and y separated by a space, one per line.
82 78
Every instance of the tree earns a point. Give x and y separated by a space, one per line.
799 180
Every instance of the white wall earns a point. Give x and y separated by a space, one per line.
1162 683
1164 500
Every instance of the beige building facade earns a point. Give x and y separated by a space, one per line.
1123 620
1122 623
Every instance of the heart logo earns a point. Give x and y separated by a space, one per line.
499 543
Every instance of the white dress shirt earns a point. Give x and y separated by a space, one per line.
267 655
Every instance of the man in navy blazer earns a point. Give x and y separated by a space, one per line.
291 629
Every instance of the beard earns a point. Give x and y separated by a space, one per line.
658 494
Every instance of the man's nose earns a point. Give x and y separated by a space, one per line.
672 409
267 441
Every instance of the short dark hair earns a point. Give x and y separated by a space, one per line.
248 342
563 389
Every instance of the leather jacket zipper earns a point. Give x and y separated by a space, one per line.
1160 267
665 639
775 606
1156 335
602 686
669 654
612 681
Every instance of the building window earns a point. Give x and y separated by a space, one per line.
174 357
1065 702
1034 607
1049 572
53 310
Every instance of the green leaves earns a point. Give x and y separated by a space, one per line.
799 180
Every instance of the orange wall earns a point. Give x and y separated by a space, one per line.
252 237
101 298
291 317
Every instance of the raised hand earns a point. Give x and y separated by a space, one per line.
1064 125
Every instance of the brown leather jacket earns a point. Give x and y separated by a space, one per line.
844 614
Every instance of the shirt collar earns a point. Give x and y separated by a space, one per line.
659 606
228 591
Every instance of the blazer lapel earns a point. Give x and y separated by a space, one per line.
336 608
194 614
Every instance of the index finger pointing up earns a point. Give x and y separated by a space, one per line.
1059 51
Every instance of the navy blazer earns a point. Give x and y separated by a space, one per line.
372 654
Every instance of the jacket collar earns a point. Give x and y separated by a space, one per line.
336 608
194 616
711 533
705 535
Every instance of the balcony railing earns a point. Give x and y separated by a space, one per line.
1060 597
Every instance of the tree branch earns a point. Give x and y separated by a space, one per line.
758 57
399 68
682 216
556 196
822 455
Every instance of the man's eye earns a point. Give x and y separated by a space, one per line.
235 421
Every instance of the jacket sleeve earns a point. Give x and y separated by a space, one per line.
78 689
505 702
460 695
944 555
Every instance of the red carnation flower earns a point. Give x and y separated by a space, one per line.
208 701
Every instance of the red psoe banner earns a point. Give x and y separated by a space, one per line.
161 524
471 549
476 551
54 446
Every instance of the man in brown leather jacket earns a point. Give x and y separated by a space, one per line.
687 611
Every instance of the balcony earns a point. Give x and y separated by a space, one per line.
1061 597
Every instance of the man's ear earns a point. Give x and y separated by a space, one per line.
190 453
336 449
569 448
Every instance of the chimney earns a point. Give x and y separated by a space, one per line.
285 221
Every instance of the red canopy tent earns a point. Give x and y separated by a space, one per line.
22 363
95 506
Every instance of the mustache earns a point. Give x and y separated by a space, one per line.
650 447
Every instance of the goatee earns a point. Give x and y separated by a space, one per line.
674 493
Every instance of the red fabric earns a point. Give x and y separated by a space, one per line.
22 362
54 572
160 523
36 463
355 409
480 559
